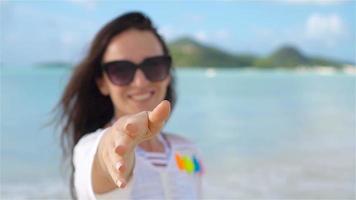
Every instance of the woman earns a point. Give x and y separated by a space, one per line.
114 108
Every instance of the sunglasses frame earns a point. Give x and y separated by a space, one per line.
105 67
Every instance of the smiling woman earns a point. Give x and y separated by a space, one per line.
133 90
114 107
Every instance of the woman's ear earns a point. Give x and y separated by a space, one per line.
102 85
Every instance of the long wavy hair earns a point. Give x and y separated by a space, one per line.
82 109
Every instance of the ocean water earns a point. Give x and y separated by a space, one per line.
262 134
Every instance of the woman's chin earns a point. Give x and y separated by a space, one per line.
142 106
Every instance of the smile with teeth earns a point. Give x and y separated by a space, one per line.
141 96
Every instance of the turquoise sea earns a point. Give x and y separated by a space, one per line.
263 134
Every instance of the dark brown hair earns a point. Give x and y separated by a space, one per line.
82 108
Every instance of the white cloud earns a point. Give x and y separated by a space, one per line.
326 28
222 34
201 36
168 32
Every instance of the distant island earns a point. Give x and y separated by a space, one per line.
187 52
54 64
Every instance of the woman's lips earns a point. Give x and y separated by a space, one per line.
142 96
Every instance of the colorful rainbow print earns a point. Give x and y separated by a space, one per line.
188 164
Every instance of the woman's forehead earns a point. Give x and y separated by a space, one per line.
134 45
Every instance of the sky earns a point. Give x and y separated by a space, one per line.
43 31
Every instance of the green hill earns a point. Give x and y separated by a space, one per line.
187 52
54 64
289 57
286 56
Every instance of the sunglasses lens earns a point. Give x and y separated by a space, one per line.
121 73
157 69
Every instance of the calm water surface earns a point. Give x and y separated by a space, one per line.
262 134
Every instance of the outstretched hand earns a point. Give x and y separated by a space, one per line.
116 148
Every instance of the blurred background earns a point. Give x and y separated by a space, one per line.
272 84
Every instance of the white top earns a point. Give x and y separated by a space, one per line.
158 159
179 179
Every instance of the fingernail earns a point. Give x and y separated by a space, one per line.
118 165
120 150
120 184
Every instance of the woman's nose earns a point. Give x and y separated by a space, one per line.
140 79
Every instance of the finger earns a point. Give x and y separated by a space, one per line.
124 148
131 130
118 178
121 167
158 116
121 150
127 125
117 170
160 113
114 168
118 160
125 140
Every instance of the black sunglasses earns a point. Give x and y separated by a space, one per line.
122 72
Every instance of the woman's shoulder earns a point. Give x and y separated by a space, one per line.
89 139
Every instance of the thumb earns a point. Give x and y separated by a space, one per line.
158 116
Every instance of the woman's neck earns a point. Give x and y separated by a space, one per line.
152 145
